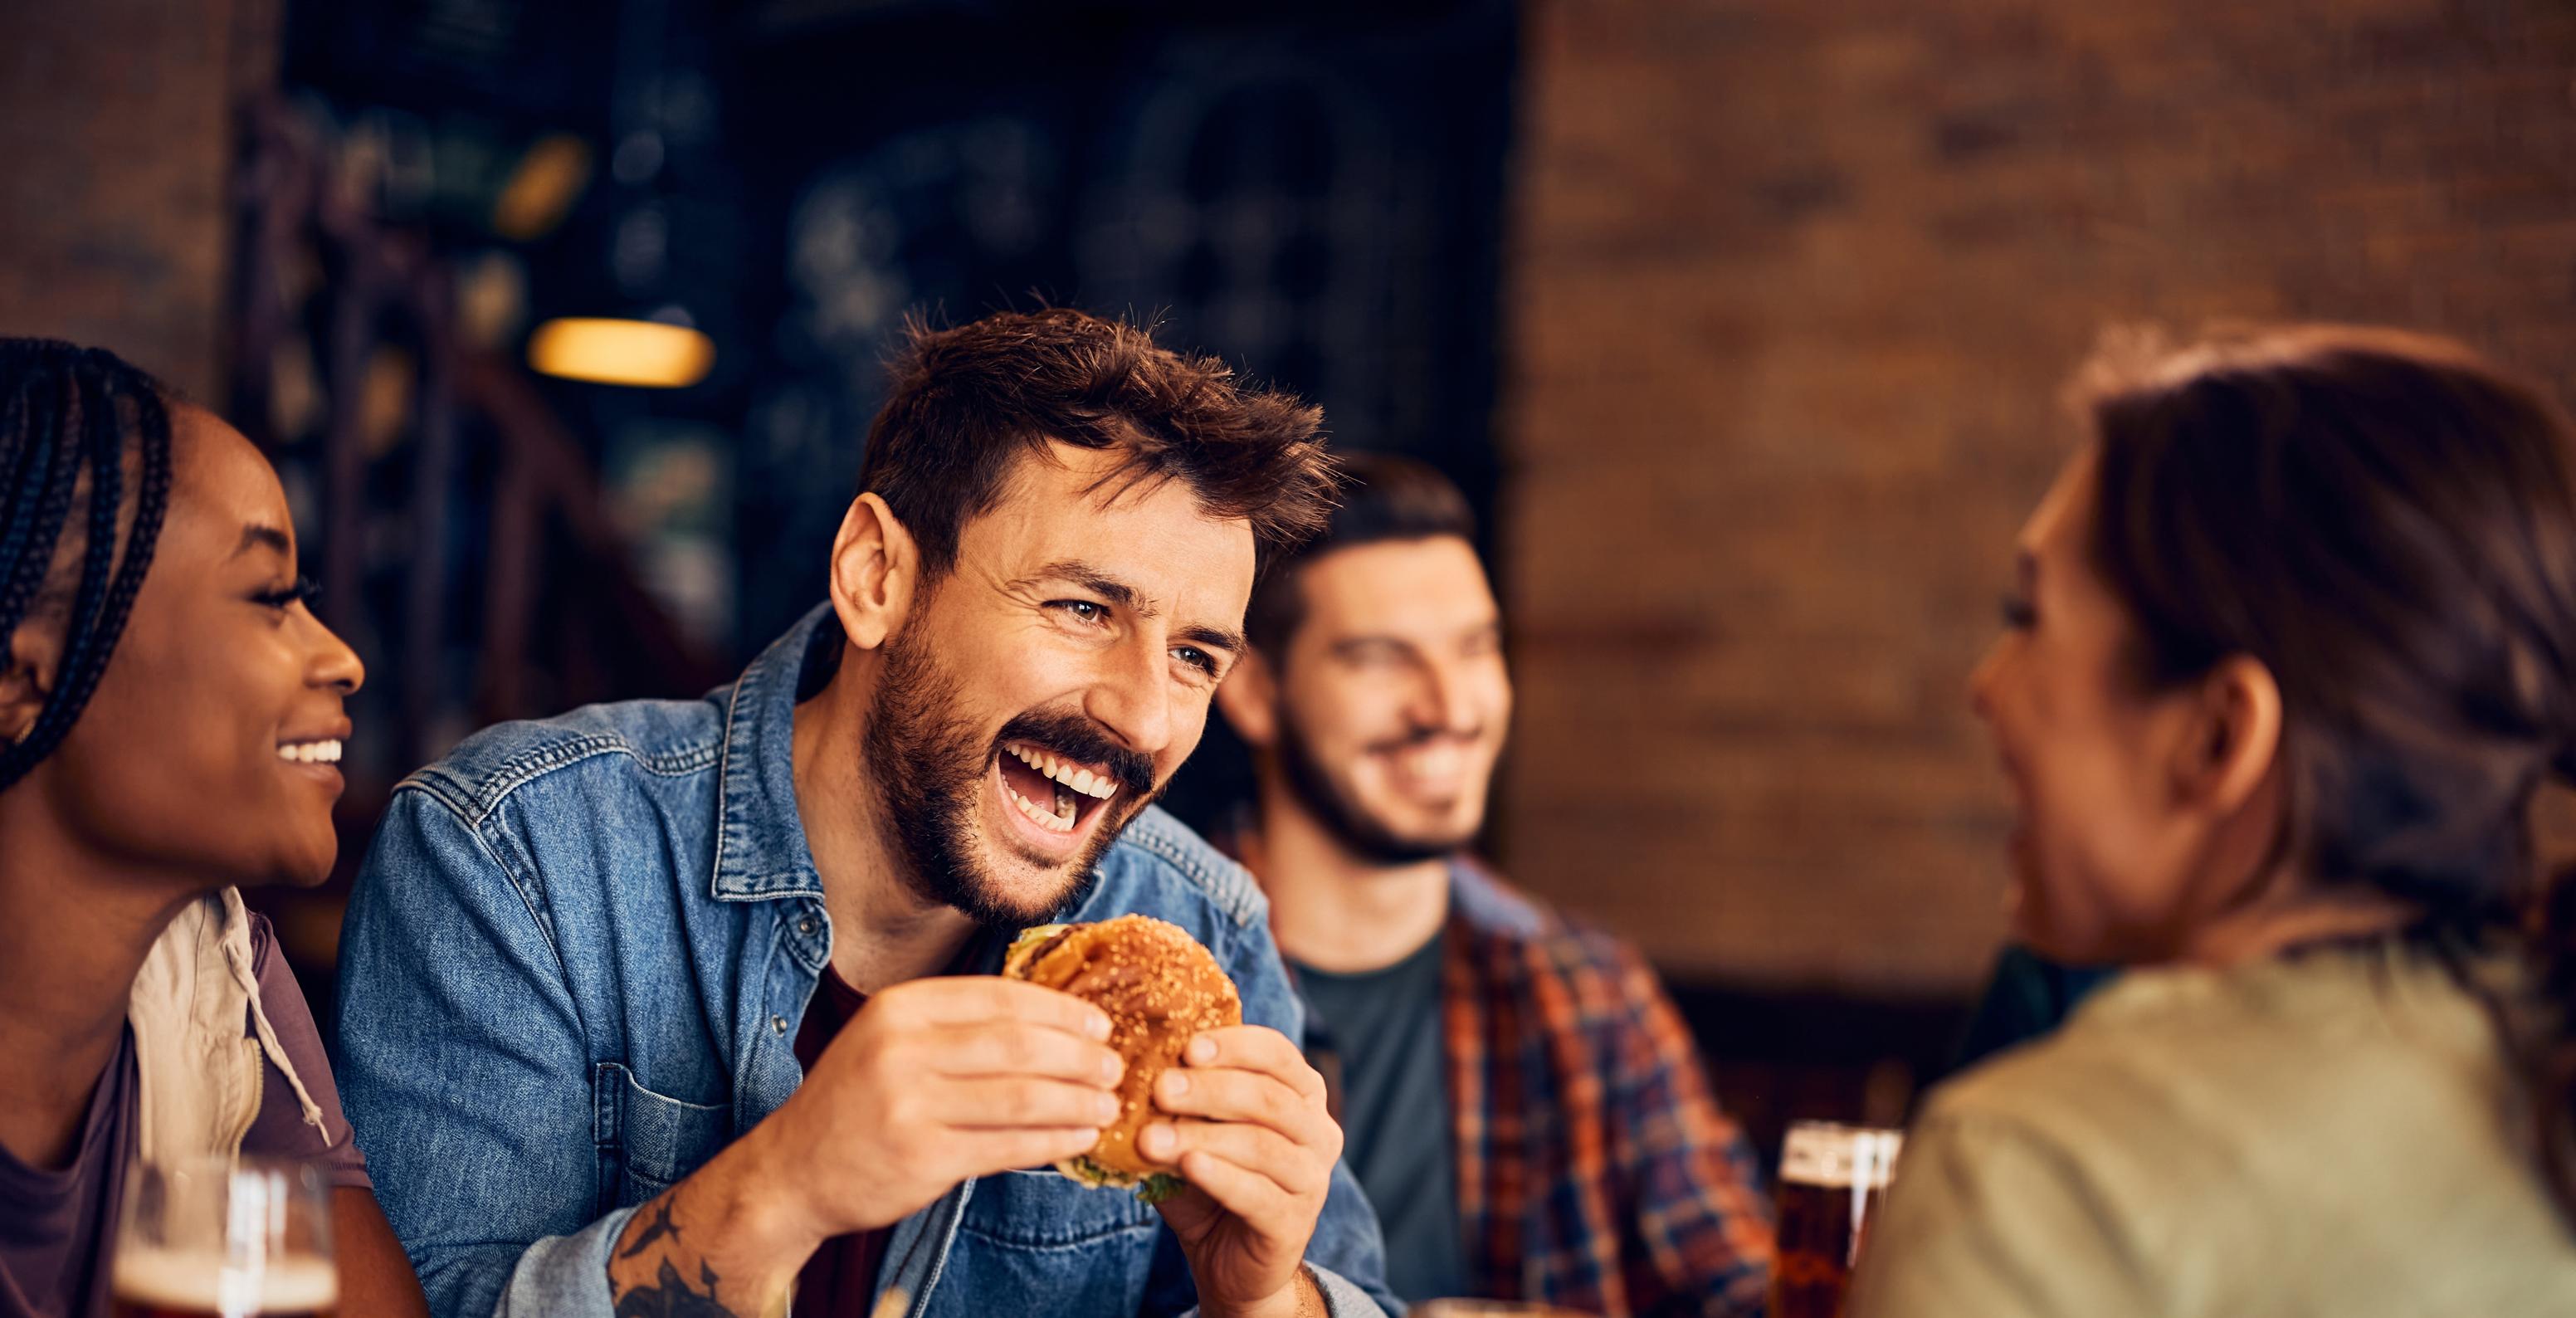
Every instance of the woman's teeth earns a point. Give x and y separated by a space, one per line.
311 752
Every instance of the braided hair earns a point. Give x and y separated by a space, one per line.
64 412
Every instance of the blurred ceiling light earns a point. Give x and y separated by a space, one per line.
542 189
646 353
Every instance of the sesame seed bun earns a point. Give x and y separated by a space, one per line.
1160 989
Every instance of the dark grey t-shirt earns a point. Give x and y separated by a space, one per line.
1384 1027
55 1226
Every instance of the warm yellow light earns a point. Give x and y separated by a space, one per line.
543 188
645 353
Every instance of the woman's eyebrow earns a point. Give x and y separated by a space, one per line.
259 535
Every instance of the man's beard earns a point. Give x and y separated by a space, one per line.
1362 833
928 764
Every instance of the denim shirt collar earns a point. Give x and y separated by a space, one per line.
761 854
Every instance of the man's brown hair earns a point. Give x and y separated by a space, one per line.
964 401
1383 497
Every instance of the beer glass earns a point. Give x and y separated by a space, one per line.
1832 1179
225 1238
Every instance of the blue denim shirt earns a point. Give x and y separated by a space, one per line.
573 970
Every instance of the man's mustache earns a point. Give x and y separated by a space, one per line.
1465 738
1073 737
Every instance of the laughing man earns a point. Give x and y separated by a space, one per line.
1524 1105
683 1007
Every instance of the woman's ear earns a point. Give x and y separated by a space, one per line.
27 671
875 569
1249 699
2234 740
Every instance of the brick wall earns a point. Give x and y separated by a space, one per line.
1791 288
114 141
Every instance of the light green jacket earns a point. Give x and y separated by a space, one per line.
2335 1133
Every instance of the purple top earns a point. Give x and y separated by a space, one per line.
55 1225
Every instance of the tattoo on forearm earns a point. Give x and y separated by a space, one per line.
653 1232
670 1297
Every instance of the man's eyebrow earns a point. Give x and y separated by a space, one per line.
1214 638
1127 597
257 536
1097 582
1366 640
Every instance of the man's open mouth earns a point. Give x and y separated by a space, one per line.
1057 794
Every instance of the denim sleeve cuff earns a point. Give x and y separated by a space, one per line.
565 1275
1342 1299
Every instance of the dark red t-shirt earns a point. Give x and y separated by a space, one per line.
840 1280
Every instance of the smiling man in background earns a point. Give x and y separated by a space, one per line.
663 1007
1521 1101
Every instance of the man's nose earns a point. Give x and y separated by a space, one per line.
1132 697
1440 701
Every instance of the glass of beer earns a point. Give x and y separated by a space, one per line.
1832 1180
225 1238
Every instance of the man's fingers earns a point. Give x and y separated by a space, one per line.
1245 1193
1019 1048
1255 1048
988 1152
1231 1095
1017 1102
961 999
1258 1150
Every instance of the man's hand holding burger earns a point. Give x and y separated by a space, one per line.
1250 1132
1233 1108
932 1083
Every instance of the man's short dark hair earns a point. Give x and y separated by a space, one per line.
1383 498
964 401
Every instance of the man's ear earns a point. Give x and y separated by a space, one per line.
1249 699
2234 740
875 569
28 667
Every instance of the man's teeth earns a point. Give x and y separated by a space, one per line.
311 752
1079 779
1048 819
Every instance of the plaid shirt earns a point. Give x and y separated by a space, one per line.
1594 1168
1595 1171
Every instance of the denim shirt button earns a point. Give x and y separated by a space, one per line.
806 926
778 1024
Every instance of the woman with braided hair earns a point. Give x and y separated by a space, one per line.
2292 648
170 717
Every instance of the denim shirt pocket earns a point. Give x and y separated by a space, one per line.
1034 1233
651 1140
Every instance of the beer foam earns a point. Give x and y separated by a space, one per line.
204 1279
1839 1157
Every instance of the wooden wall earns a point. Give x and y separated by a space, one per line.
1791 288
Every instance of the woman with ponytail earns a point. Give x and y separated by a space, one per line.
2292 647
170 714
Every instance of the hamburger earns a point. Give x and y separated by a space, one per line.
1160 989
